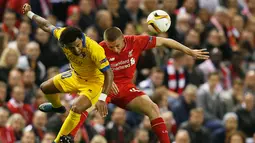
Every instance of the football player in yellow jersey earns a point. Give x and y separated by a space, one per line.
90 74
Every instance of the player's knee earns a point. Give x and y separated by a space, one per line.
77 109
43 87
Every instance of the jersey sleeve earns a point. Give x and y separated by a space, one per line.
145 42
98 56
56 32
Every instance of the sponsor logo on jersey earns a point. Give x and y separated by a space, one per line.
111 59
130 53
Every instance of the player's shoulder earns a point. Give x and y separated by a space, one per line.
103 44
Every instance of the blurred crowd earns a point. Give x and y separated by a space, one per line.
200 101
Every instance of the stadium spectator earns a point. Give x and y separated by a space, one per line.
249 82
161 97
189 6
16 5
49 48
236 67
145 64
182 136
6 134
39 98
208 99
120 18
20 43
197 132
141 136
230 121
217 39
175 74
214 64
193 74
3 90
155 80
28 137
145 124
30 61
8 25
184 104
97 122
169 121
16 104
149 6
182 26
192 39
170 6
117 130
48 137
26 28
133 10
14 79
236 137
8 60
73 16
38 125
88 15
98 139
103 21
246 115
233 97
130 29
92 33
30 86
17 123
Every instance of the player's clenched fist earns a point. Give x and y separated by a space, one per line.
26 8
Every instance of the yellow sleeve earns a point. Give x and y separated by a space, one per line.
56 32
98 55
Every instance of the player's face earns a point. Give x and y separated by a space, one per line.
117 45
75 47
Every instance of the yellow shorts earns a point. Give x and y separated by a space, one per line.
70 82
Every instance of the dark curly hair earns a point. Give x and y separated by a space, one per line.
69 35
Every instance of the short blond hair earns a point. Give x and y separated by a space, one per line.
98 139
4 56
15 117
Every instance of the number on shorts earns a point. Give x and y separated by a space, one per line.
134 90
66 75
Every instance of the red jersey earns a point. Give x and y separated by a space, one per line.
124 63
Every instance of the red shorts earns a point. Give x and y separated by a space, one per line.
127 92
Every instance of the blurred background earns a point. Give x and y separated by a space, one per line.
200 101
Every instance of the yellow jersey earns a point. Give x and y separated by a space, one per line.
92 63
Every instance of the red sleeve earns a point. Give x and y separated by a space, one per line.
145 42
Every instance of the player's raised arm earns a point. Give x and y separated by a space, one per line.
170 43
40 21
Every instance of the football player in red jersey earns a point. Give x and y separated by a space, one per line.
123 53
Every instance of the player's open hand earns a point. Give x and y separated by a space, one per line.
101 107
26 8
200 54
114 89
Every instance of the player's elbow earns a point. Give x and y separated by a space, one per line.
161 41
109 74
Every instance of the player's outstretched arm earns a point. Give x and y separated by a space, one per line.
41 22
170 43
101 105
